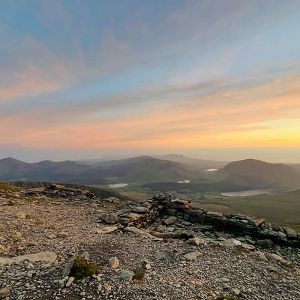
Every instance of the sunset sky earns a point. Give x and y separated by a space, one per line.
216 79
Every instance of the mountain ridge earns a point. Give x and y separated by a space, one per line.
243 174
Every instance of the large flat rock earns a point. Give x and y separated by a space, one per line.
45 257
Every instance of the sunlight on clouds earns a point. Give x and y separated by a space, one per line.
130 76
263 115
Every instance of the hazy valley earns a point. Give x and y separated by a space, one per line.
213 184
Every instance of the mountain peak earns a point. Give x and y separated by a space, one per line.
11 160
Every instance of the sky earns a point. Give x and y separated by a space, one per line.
206 78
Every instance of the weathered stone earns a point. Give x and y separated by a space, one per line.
161 228
140 209
106 230
282 235
67 269
265 243
109 218
278 258
46 257
291 233
214 214
232 242
192 255
186 223
112 199
170 220
260 255
114 263
235 291
5 292
260 222
140 232
269 233
133 217
70 281
197 241
248 246
21 215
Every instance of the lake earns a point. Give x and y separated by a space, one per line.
248 193
184 181
117 185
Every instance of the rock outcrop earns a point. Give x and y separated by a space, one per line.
264 233
61 191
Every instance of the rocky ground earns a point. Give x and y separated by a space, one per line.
42 232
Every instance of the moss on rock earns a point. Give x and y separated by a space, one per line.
82 268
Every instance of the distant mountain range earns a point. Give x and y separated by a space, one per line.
137 170
239 175
160 173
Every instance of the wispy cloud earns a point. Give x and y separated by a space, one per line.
128 74
230 117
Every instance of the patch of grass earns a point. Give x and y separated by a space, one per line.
82 268
4 187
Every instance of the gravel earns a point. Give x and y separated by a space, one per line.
132 265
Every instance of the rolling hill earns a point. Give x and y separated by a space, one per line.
16 170
259 174
137 170
146 169
237 176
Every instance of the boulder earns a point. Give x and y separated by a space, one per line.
109 218
290 233
192 255
278 258
140 209
248 247
197 241
265 243
170 220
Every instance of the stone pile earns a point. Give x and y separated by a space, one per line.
137 214
163 206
